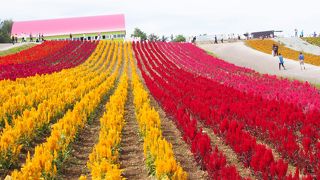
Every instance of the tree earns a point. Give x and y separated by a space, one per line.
153 37
139 34
5 31
179 38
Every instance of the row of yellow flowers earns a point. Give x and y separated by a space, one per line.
46 156
31 96
266 47
25 126
104 159
157 151
312 40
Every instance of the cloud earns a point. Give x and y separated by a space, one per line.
177 16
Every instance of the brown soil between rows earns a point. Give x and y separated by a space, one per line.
231 156
76 164
24 151
132 159
277 156
181 150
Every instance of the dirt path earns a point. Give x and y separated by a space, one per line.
277 156
181 150
6 46
241 55
76 164
231 156
132 160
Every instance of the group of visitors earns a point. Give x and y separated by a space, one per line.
39 38
275 49
216 40
14 39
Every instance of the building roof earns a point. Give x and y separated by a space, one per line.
77 25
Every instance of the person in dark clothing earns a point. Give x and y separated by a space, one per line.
31 38
194 39
16 39
70 36
12 39
215 40
276 49
42 37
273 47
221 40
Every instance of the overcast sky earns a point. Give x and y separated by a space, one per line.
188 17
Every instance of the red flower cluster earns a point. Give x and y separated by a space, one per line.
37 52
233 110
70 55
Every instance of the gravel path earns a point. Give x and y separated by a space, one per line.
239 54
6 46
299 45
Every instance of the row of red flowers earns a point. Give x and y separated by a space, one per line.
209 158
71 55
218 105
37 52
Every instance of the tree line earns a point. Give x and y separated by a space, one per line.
138 33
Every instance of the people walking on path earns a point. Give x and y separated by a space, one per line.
301 60
281 62
215 40
275 49
12 39
31 38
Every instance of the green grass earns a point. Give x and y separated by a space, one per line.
16 49
212 54
312 40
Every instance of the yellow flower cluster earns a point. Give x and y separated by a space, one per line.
29 92
23 127
266 47
43 163
103 161
156 149
313 40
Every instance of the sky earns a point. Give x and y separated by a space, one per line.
187 17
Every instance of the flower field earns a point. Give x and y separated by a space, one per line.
266 47
313 40
64 112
